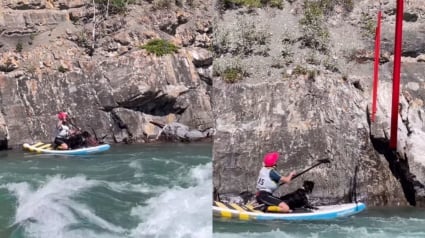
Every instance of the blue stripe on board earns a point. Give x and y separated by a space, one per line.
318 216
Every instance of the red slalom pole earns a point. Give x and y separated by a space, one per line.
396 74
376 65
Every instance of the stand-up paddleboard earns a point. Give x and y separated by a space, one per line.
247 212
48 149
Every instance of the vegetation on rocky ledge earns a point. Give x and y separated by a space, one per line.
62 69
160 47
113 6
230 4
368 25
316 34
233 74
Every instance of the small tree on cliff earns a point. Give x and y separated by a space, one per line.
107 7
101 11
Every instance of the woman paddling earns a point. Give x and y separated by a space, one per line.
64 132
268 181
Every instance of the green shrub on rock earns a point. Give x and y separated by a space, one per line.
316 34
19 47
251 3
62 69
160 47
233 74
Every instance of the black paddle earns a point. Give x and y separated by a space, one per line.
71 121
319 162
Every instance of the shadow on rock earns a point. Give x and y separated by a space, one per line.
179 132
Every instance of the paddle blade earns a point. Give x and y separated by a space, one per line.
325 161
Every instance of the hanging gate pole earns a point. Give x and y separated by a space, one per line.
396 74
376 65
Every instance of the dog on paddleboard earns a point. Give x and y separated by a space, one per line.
299 198
82 140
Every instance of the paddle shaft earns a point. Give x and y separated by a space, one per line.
71 121
308 169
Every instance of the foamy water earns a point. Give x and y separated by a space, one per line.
139 194
48 210
181 210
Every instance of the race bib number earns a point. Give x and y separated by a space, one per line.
260 181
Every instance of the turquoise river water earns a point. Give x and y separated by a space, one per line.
161 190
152 191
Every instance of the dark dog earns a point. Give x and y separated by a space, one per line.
89 140
216 195
299 198
246 196
80 140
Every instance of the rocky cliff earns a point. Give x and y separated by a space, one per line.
87 58
297 78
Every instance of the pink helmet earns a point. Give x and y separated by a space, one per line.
62 116
270 159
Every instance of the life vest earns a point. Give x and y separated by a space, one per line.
63 132
264 182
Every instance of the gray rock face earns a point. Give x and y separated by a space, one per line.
115 95
310 103
201 57
304 121
56 56
411 129
30 22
